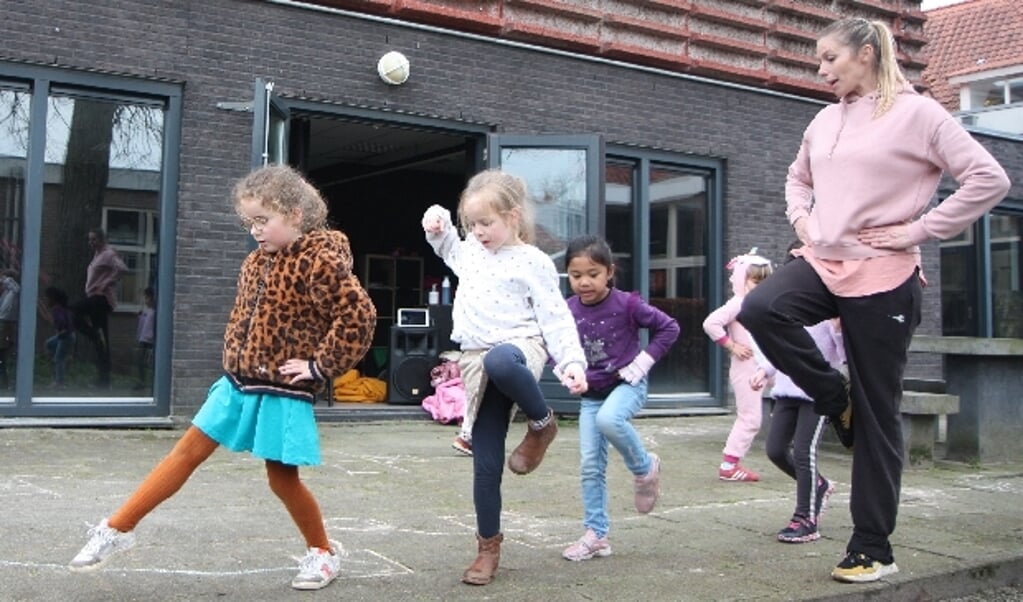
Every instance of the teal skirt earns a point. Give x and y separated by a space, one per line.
272 427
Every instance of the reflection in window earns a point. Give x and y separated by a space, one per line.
557 185
14 119
620 192
678 258
103 170
1006 277
960 291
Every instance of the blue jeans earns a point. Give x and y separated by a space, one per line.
602 422
60 347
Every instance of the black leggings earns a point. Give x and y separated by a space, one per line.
509 382
792 443
91 316
877 330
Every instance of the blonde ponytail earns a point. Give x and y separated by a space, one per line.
890 80
856 33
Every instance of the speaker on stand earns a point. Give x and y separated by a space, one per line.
414 352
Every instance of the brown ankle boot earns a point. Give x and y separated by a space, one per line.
482 570
528 455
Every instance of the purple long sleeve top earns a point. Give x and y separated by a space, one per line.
609 333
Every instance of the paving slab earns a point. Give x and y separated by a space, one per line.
399 500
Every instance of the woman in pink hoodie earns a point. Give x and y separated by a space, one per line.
857 195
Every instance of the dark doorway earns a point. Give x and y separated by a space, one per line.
378 180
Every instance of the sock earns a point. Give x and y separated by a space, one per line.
539 424
300 503
164 481
729 462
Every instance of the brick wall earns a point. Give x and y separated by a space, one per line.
768 43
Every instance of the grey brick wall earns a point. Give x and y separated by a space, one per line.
218 47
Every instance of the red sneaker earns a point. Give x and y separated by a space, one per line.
738 473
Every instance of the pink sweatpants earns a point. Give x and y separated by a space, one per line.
748 408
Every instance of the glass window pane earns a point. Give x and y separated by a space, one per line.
678 254
1006 276
102 181
14 122
620 191
959 294
557 184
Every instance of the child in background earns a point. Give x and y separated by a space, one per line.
62 343
796 432
10 293
508 315
609 321
721 326
297 281
145 335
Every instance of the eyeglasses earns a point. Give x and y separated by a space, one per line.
254 223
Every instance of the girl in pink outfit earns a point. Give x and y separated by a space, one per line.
857 195
722 327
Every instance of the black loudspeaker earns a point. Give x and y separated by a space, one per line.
414 352
440 315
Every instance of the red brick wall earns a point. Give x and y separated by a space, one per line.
767 43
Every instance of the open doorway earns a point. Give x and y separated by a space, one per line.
378 179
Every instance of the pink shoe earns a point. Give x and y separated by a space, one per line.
648 487
588 546
738 473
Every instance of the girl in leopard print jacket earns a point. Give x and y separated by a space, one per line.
300 317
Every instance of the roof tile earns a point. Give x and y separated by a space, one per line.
970 37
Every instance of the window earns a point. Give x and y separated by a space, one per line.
1006 276
81 151
673 200
968 296
133 233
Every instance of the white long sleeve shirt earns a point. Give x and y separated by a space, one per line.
508 294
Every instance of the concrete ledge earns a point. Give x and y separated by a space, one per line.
966 345
985 375
918 402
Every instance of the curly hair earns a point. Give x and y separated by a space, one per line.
282 189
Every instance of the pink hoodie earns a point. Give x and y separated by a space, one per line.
856 171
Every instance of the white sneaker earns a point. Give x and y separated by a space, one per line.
104 542
316 570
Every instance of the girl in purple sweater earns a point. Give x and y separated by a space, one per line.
609 321
857 194
795 434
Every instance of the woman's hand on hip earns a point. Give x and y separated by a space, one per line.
886 237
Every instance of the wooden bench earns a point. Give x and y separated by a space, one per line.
920 413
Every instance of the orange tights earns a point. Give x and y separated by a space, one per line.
191 451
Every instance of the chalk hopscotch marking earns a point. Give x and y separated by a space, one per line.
360 564
372 525
398 463
18 486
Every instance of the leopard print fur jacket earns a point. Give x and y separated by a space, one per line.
301 302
